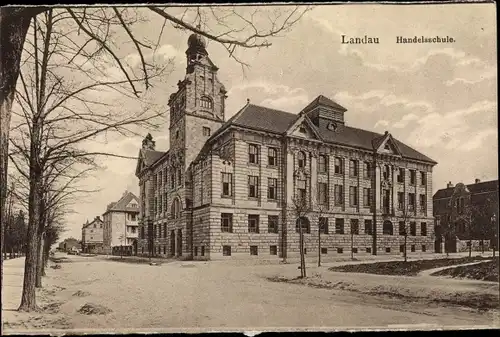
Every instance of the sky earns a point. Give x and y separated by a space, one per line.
440 99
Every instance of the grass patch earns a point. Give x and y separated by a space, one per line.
401 268
485 271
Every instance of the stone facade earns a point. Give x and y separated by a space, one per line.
230 188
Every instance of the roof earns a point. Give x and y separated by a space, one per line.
265 119
151 156
484 186
96 219
322 100
121 205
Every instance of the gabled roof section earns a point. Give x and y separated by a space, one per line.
122 205
386 144
95 221
324 101
148 158
304 120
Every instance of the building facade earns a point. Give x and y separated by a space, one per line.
466 215
230 188
92 236
121 226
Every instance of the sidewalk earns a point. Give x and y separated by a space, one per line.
12 286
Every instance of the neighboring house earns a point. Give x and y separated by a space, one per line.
120 225
452 203
69 243
92 236
226 188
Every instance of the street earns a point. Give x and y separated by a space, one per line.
214 296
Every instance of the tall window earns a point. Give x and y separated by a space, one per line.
301 159
227 182
353 195
413 228
367 197
401 200
323 225
355 226
423 179
206 103
323 193
172 180
253 154
179 177
226 224
423 202
272 157
387 228
411 201
301 190
339 226
423 229
402 228
175 210
387 172
339 194
272 224
322 164
401 175
353 168
253 224
368 227
253 186
338 166
272 184
367 169
412 177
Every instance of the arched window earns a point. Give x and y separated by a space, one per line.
206 102
301 159
175 209
387 229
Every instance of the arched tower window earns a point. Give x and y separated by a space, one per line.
301 159
206 102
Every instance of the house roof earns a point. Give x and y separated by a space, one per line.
151 156
265 119
121 205
484 186
322 100
96 220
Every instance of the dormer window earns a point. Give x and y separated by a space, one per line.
302 129
387 147
332 126
206 102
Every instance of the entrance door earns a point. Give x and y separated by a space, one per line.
172 243
179 242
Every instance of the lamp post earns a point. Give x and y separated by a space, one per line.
494 229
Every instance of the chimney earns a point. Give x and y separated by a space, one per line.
148 143
477 181
449 185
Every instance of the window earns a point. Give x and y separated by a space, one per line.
413 228
338 165
423 202
273 250
423 179
401 248
412 248
302 129
401 201
226 224
175 209
368 249
322 164
95 226
368 227
366 197
253 154
91 238
411 201
353 195
355 226
340 250
424 248
172 180
323 225
401 175
253 186
206 103
253 224
387 228
100 226
366 170
179 177
354 250
227 183
339 226
402 228
423 229
412 177
353 168
272 224
254 250
272 184
339 195
195 251
306 228
177 134
206 131
323 193
301 190
226 250
91 231
301 159
324 251
272 158
388 249
386 174
202 251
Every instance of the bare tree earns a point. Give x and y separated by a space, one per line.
465 216
406 216
300 207
321 209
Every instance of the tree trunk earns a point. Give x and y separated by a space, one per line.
319 245
301 248
470 248
352 246
404 250
39 264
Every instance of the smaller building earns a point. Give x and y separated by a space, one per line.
92 236
466 215
120 225
68 244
